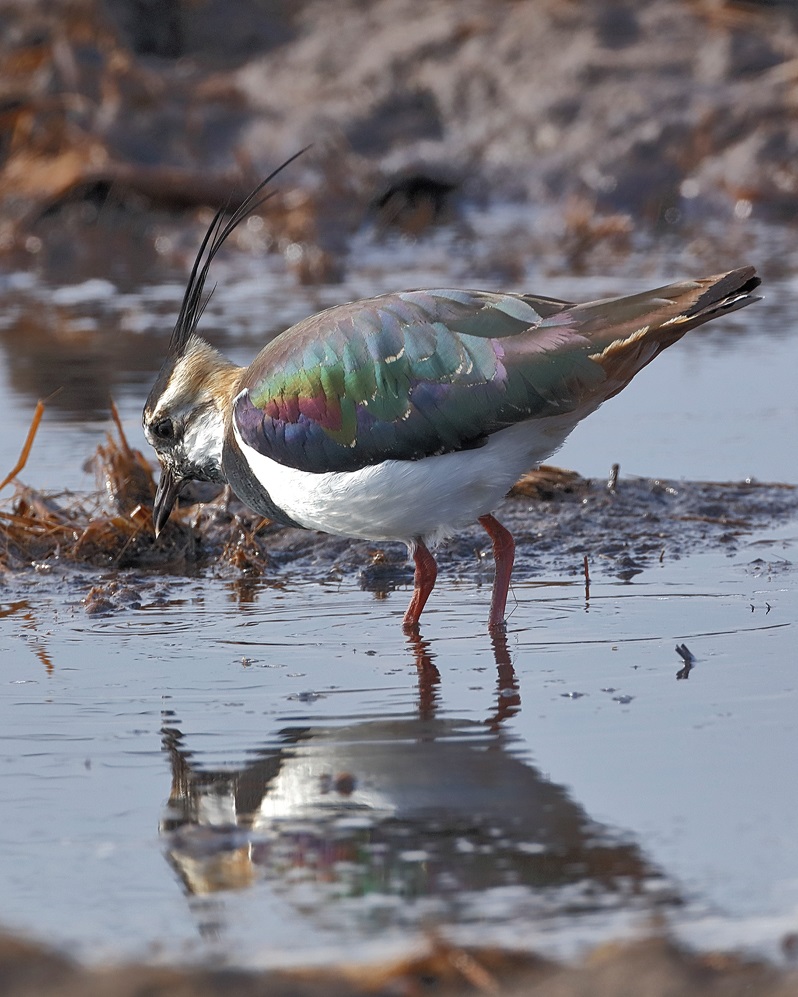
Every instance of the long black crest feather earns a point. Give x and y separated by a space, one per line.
193 304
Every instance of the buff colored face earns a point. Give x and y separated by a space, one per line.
184 421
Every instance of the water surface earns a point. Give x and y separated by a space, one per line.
271 780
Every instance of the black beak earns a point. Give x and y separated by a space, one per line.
165 498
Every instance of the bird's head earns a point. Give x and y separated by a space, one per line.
184 420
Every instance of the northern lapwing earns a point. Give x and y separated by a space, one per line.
406 416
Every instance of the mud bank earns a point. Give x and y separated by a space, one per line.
564 525
654 967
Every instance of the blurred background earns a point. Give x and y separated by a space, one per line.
624 124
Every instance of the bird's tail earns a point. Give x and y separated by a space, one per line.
629 332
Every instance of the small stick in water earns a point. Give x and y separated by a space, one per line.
688 658
118 423
26 449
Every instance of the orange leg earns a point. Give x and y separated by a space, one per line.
426 573
503 554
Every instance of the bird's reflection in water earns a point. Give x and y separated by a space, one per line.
424 816
508 697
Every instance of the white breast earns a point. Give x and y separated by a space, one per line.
405 499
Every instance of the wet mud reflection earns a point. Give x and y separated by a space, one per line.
416 819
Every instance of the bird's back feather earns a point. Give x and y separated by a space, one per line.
420 373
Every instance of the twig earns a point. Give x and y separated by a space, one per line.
587 578
120 430
473 972
26 449
688 658
719 520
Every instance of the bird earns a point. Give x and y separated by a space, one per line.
407 416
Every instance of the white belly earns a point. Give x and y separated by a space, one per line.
404 499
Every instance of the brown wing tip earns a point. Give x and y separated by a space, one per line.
727 292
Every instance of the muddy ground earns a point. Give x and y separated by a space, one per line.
564 525
654 968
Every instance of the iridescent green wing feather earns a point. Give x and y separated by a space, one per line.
404 376
419 373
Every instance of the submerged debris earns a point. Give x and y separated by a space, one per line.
40 529
112 528
548 482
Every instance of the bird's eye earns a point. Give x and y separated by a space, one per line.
163 429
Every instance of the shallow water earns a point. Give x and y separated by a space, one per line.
273 779
263 779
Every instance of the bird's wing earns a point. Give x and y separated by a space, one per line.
402 376
418 373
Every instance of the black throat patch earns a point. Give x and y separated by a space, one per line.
247 487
